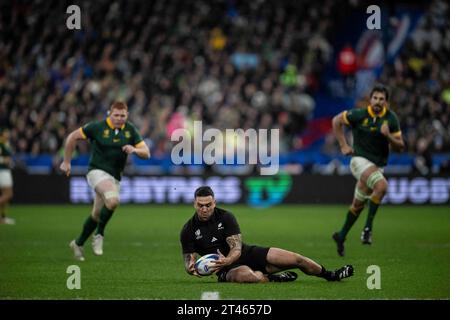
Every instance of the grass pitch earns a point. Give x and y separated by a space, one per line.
142 254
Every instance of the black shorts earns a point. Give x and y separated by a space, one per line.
254 257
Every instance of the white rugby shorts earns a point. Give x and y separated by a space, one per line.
6 180
359 164
94 177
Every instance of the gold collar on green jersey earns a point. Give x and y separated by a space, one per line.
108 121
373 114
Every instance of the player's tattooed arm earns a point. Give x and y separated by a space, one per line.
189 261
235 243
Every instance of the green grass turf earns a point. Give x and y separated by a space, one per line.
142 258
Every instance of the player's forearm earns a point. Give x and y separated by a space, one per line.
188 259
396 142
338 130
233 255
143 152
235 243
69 147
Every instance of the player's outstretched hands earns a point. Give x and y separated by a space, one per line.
128 149
65 167
219 264
191 268
347 150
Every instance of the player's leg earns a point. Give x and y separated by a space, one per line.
6 194
244 274
109 191
90 224
3 218
91 221
280 259
359 200
375 181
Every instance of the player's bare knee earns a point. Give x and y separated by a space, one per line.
244 276
299 259
7 194
112 203
356 208
380 188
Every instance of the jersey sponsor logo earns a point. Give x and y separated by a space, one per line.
198 234
116 140
219 226
214 239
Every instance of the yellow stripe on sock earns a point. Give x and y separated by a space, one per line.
375 199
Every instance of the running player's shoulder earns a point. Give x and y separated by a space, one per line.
224 215
223 212
188 225
130 125
392 113
94 123
356 112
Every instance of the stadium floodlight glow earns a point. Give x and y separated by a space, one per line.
232 146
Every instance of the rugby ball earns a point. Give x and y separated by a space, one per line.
203 264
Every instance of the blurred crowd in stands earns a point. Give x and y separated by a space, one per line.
420 83
230 63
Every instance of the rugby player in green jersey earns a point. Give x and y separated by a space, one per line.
375 130
112 140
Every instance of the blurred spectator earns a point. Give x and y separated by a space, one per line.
347 66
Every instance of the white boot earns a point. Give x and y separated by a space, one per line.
97 244
77 251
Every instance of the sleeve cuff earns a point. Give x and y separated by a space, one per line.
82 133
344 116
139 144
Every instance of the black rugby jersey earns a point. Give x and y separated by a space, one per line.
206 237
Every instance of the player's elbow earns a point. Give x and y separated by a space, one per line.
146 154
336 122
399 146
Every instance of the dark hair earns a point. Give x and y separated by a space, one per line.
204 191
380 88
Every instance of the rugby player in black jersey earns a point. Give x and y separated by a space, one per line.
214 230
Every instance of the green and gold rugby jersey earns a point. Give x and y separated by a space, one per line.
368 141
5 152
107 143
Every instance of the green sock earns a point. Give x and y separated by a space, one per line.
88 227
105 215
349 221
374 203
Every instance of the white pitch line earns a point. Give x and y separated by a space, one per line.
210 295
